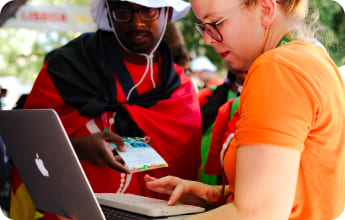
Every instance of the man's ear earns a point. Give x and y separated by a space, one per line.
268 11
170 11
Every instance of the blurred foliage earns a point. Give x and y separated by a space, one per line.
195 43
22 51
329 13
61 2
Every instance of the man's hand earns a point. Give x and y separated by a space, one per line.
96 149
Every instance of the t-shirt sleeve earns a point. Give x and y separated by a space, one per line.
277 106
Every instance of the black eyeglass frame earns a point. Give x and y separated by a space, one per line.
202 27
210 31
132 11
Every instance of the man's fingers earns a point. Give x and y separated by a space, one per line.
119 167
121 148
117 163
114 161
119 159
114 138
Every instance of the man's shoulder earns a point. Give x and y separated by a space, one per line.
73 48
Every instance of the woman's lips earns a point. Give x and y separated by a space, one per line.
224 54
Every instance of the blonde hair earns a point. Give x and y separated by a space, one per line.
296 8
305 23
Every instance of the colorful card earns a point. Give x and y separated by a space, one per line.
139 156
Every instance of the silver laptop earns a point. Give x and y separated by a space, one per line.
45 159
39 147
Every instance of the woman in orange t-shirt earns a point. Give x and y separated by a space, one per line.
287 157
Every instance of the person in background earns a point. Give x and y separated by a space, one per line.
175 40
0 97
218 104
286 159
3 94
121 82
4 189
2 168
205 72
21 101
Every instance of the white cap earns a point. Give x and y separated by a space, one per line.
202 63
99 12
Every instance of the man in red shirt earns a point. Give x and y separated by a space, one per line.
121 81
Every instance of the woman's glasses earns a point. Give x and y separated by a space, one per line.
126 14
211 28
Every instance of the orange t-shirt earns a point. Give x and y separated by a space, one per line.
294 96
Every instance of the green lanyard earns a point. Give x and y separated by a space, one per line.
287 38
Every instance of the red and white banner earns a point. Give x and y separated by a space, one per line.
48 17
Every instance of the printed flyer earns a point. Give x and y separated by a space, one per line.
139 155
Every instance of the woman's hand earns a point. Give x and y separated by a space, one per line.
186 191
96 149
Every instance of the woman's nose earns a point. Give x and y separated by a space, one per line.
208 40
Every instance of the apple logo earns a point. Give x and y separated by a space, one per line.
40 165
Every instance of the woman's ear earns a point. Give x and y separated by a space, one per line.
268 11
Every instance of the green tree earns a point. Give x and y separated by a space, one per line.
22 51
195 43
330 14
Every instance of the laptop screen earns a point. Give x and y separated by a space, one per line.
45 159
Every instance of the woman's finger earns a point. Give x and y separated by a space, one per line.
163 185
149 178
176 194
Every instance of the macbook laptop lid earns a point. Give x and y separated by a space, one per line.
45 159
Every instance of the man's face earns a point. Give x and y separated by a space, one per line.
143 28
